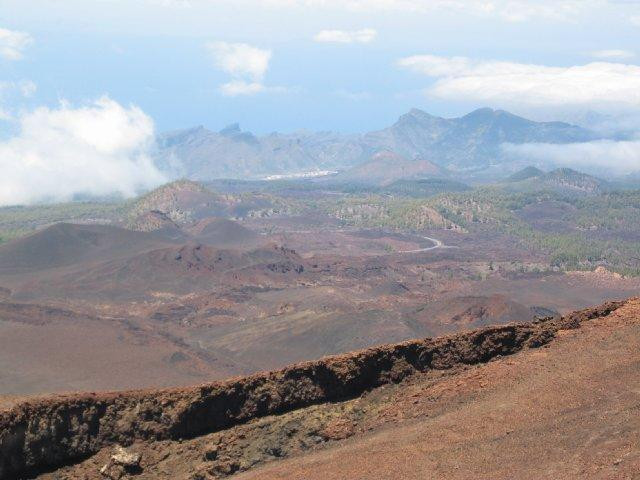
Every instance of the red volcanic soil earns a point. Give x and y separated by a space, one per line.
552 399
455 313
161 313
185 269
158 222
181 200
65 244
567 411
55 349
221 231
185 201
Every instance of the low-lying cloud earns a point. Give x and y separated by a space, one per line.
606 156
597 84
97 149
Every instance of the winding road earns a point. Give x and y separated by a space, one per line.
436 244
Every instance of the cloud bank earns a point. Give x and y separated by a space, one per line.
597 84
13 43
98 149
607 156
364 35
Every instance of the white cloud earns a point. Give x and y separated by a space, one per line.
507 10
246 64
434 66
635 20
96 149
240 87
172 3
364 35
27 88
12 43
24 88
520 11
598 84
609 156
240 59
614 54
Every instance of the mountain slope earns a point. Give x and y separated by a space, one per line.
221 231
556 413
524 174
385 167
180 201
182 269
201 154
563 180
468 398
66 244
473 140
186 201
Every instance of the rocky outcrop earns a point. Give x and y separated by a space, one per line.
41 434
121 463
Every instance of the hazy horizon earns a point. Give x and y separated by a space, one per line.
86 87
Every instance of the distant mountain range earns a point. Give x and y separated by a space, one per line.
423 145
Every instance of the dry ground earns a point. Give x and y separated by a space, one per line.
565 411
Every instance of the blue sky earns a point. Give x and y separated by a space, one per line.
155 54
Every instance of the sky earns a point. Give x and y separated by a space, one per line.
343 65
86 85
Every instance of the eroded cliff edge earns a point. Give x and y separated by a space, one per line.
44 433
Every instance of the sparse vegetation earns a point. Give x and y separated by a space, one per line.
597 230
18 221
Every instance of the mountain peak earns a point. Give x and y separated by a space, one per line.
482 113
416 116
525 173
416 112
230 130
